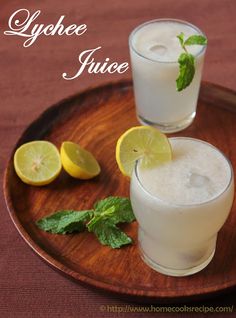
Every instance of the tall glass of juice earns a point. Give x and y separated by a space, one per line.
154 52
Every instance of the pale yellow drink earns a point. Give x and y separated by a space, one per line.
154 51
181 205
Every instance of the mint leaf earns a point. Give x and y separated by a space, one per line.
186 60
123 211
186 71
66 221
101 221
109 234
196 40
100 216
108 213
181 39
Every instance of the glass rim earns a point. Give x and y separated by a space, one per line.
166 202
140 26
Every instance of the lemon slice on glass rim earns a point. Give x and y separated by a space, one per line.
37 162
144 143
78 162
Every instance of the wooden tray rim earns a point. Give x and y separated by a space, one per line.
138 292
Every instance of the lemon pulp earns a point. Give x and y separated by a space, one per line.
143 143
37 162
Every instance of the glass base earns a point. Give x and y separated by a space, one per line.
175 272
169 127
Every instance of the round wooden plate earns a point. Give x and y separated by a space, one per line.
95 119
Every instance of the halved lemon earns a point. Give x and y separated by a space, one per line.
37 162
78 162
143 143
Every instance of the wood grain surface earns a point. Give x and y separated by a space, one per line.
95 119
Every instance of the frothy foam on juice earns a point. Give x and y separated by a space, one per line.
197 173
158 41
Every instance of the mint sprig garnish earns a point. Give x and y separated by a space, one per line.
65 221
186 71
196 40
102 220
187 61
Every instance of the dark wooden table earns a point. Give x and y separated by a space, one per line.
31 81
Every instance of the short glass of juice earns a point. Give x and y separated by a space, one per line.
154 52
181 205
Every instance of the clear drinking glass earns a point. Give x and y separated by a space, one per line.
154 52
180 239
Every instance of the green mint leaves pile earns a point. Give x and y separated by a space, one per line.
102 221
187 60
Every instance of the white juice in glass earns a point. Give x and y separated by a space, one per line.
154 51
181 205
